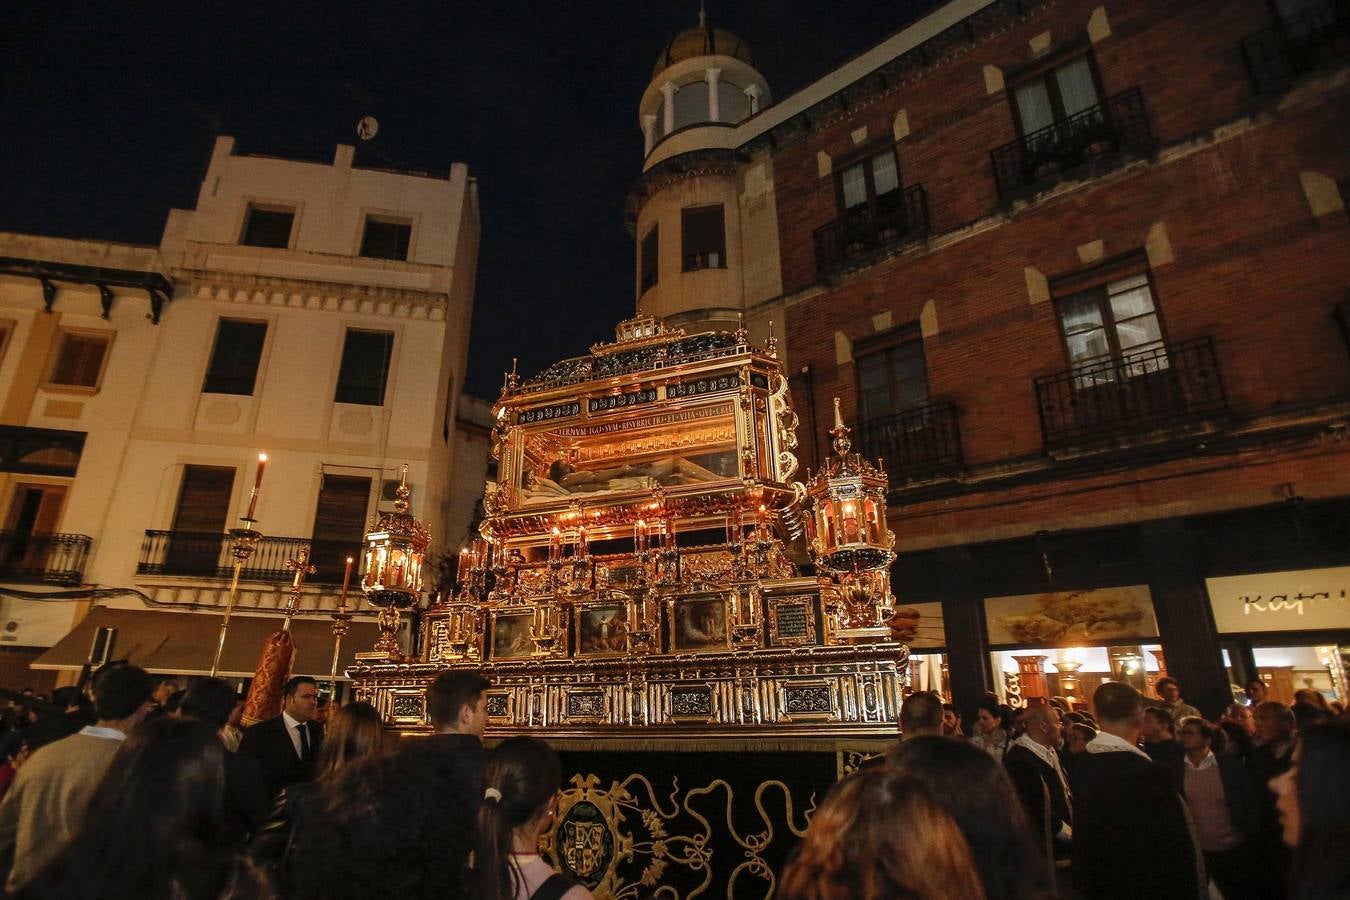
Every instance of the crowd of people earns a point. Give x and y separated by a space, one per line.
140 788
1134 798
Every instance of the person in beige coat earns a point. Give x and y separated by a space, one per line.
44 807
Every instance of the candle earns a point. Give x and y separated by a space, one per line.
582 541
555 545
463 571
732 528
257 486
346 578
668 533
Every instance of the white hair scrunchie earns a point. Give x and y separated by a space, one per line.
492 794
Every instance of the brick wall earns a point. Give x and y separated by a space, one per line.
1221 208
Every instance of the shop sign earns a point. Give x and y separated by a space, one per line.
1303 600
34 623
1071 618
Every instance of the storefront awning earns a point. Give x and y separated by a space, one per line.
182 643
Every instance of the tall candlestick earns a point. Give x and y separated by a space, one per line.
257 486
346 578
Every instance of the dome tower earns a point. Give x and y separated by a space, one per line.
685 211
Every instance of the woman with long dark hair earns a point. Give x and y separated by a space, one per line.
354 732
155 824
1313 798
881 835
521 779
977 793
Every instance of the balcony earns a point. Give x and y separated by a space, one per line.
898 218
186 554
1167 387
1097 135
43 558
1297 45
914 445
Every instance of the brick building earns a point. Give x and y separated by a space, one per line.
1078 272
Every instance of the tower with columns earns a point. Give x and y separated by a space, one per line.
690 212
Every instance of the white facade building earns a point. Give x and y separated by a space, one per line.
317 313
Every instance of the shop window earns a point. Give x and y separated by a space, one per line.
650 270
704 238
268 226
872 184
364 371
235 357
1116 322
892 378
386 238
81 357
1052 95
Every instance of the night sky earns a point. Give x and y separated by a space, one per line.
110 110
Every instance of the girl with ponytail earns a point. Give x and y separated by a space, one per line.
521 779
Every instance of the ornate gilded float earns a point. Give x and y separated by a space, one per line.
635 575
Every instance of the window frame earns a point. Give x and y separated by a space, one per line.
652 237
381 218
878 344
58 346
215 346
863 156
1042 70
721 250
388 367
1098 279
252 206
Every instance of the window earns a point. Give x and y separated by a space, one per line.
691 104
235 357
704 239
1107 323
1054 95
365 367
385 238
649 271
339 524
80 359
873 183
892 379
732 103
267 226
196 543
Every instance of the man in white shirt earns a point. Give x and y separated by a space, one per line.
287 747
1126 809
1033 765
46 804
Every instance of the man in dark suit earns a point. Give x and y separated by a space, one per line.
457 707
1033 766
1131 836
1160 742
211 700
287 747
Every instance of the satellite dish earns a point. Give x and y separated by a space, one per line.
367 128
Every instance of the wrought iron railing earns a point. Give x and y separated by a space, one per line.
915 444
207 555
45 558
895 220
1120 123
1297 45
1160 388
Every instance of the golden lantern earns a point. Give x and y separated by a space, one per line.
395 555
848 538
